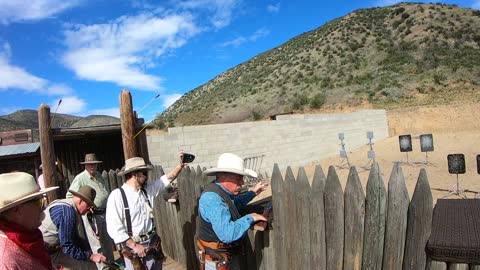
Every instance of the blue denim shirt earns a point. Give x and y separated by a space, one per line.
215 211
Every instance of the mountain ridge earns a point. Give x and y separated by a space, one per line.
409 54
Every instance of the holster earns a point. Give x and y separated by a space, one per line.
154 248
217 252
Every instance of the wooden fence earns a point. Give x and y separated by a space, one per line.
317 225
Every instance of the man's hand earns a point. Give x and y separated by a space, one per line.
260 187
98 258
257 217
139 250
180 155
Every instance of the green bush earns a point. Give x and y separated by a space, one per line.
318 100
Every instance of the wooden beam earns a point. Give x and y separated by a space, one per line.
47 151
127 121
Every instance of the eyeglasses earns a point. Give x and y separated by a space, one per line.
40 202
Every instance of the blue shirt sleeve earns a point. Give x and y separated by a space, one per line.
64 217
215 211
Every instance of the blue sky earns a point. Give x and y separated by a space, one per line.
86 51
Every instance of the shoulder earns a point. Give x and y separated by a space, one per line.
208 198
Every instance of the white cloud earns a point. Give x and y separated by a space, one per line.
170 99
240 40
69 105
14 77
273 8
115 112
120 51
220 12
476 4
22 10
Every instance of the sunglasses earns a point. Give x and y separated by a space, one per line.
40 202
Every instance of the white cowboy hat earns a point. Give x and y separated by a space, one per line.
135 164
230 163
91 159
17 188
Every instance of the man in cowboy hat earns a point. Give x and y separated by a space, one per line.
64 234
21 205
221 227
95 224
130 221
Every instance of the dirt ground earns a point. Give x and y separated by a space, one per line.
455 130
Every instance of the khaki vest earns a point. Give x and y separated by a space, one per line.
50 230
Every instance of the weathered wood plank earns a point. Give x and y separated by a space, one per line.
474 267
292 227
317 221
354 222
375 216
419 224
279 223
457 266
435 265
302 239
396 225
334 220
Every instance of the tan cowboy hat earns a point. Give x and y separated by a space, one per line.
231 163
17 188
135 164
86 193
91 159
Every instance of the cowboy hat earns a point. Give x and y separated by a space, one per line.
86 193
17 188
91 159
231 163
135 164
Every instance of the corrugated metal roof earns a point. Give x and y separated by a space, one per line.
18 149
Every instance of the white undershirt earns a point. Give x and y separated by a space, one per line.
139 210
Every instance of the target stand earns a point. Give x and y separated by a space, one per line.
344 162
456 165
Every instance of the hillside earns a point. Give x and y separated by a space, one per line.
391 57
28 119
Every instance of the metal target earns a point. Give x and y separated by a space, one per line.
405 142
456 163
426 143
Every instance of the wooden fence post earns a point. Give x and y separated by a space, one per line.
127 122
279 224
47 152
354 221
396 225
290 208
419 224
375 213
317 221
303 205
334 220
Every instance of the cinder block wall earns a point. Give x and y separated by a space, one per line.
291 140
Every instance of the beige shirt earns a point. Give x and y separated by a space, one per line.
98 183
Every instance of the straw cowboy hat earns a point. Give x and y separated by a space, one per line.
135 164
17 188
86 193
91 159
230 163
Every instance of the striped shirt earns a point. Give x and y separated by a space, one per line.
64 217
215 211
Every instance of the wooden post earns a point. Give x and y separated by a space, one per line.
142 141
279 226
375 213
334 220
354 221
419 224
317 221
396 224
127 121
47 151
303 204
